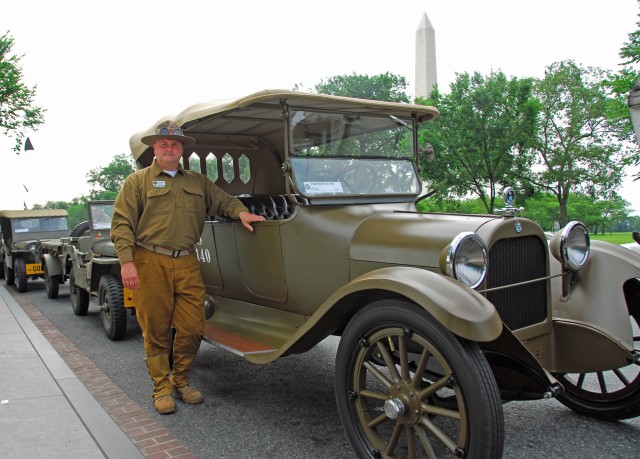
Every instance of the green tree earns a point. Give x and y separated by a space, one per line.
386 86
621 83
111 177
17 112
484 123
579 147
543 209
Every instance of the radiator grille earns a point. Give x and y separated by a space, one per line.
517 260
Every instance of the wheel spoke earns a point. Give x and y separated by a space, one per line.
432 388
424 441
602 382
391 365
374 395
379 376
393 441
443 437
581 378
621 377
438 411
422 365
377 421
404 359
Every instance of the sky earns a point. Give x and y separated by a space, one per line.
106 70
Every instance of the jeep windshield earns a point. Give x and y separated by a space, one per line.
40 225
335 154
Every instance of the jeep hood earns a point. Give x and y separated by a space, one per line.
410 238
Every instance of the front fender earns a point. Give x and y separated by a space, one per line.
598 297
461 310
52 263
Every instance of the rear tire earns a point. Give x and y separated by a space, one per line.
79 296
112 310
51 283
20 269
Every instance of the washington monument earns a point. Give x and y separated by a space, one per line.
426 73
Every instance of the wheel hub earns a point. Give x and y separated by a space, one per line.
393 408
404 404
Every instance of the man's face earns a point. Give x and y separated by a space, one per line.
168 153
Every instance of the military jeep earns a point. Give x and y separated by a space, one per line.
442 317
94 270
24 232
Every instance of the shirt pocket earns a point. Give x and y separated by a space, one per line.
159 201
194 200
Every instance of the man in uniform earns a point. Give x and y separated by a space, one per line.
158 218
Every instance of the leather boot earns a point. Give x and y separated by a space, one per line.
162 394
180 379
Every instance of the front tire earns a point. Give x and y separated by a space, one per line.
78 295
20 270
609 395
407 387
51 283
112 310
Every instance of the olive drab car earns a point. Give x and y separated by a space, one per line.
27 235
94 270
442 317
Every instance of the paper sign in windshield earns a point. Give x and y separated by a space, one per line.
323 187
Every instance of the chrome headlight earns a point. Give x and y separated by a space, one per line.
467 259
571 246
33 248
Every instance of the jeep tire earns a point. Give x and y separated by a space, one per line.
20 270
51 283
112 310
78 295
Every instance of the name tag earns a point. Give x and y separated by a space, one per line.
158 184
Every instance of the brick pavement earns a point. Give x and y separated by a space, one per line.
151 438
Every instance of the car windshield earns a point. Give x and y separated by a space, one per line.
101 216
336 154
40 225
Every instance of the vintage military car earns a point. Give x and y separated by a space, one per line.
25 235
94 270
442 317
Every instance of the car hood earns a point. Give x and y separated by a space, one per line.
410 238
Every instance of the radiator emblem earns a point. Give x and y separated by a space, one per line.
518 228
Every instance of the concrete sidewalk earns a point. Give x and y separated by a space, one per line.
45 411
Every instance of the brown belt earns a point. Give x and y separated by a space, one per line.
163 251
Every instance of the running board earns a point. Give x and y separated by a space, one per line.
233 343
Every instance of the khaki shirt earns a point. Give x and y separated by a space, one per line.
157 209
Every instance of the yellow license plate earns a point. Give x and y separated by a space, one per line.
34 268
128 298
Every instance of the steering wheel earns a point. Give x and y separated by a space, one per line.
358 178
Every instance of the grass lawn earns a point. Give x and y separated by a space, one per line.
614 238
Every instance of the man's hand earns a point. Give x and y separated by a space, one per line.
247 219
129 275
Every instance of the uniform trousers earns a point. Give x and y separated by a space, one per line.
171 294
